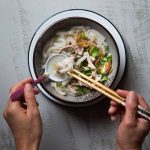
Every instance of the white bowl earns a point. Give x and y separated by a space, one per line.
63 21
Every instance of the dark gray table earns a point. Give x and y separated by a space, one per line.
69 128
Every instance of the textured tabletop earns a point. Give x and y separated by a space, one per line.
72 128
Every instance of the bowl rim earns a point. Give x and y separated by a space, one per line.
82 13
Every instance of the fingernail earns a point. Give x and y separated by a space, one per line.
28 87
113 118
132 100
118 89
131 96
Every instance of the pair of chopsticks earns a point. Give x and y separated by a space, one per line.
106 91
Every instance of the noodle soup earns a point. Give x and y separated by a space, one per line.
87 51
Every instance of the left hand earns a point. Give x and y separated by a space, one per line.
23 118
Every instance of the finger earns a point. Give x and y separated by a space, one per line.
116 111
13 108
14 103
130 118
36 90
37 104
119 109
113 103
30 96
115 107
22 100
113 117
145 124
122 93
20 84
5 112
113 110
142 102
24 105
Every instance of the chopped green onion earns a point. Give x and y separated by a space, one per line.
103 70
59 84
86 68
106 48
71 49
83 64
87 71
83 35
82 90
109 56
105 59
104 79
95 52
102 62
90 49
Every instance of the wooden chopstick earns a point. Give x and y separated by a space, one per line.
109 90
99 84
98 89
106 91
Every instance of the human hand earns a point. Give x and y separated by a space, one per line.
23 118
132 129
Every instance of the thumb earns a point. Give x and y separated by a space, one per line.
29 96
131 109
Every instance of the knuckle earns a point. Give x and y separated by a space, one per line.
35 112
5 114
11 110
10 89
145 130
37 104
133 92
146 125
140 97
132 107
109 111
129 123
29 96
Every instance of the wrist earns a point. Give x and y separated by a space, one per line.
124 147
27 146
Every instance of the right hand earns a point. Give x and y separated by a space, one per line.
23 118
132 129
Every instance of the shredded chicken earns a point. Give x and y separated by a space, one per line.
66 64
70 40
88 58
